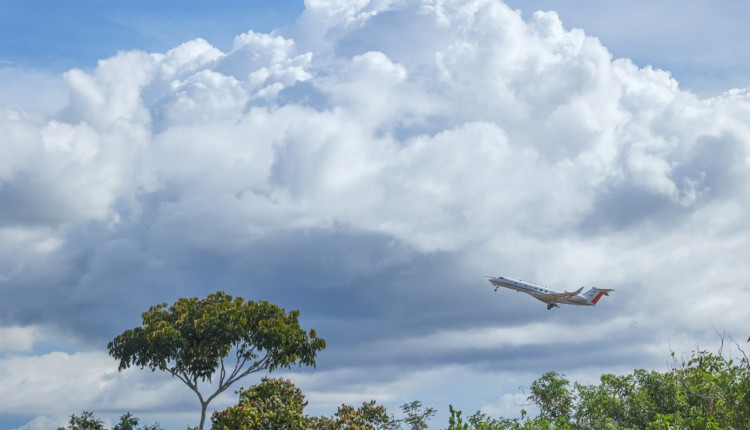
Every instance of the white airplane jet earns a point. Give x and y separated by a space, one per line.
552 297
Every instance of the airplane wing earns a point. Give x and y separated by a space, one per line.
557 297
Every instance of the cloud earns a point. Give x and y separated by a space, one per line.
369 172
31 90
667 37
26 380
18 338
52 386
193 110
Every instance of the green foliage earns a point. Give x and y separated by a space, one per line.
127 422
416 418
369 416
272 404
628 401
551 393
87 421
192 339
705 391
455 422
481 421
716 390
277 404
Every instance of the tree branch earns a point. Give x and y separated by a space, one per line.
234 377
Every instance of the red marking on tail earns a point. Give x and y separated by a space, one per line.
599 296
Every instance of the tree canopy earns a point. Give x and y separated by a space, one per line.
88 421
219 337
704 390
277 404
272 404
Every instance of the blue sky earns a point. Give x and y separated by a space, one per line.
59 36
368 163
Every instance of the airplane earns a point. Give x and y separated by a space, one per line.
552 297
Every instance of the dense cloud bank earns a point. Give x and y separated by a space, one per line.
368 167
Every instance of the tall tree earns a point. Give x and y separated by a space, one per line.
197 340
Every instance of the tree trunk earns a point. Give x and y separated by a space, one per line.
204 406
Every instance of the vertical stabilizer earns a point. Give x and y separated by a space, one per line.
593 295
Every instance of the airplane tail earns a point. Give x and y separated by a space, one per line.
593 295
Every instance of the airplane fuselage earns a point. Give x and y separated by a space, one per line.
549 296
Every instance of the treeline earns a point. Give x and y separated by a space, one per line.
195 339
706 390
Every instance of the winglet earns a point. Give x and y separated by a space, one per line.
578 291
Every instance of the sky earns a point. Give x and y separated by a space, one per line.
368 163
